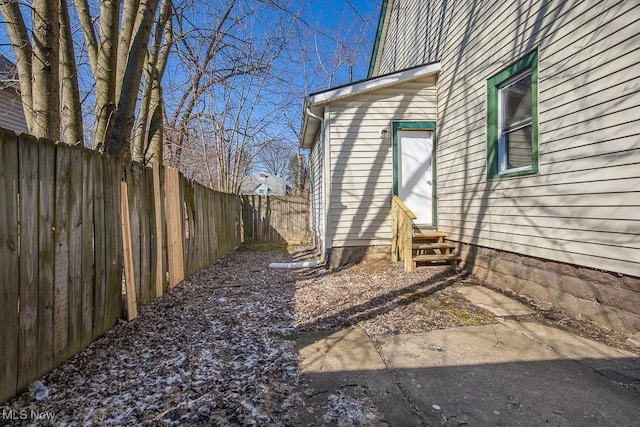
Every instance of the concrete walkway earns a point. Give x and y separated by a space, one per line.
508 373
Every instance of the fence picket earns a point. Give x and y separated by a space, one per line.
129 273
147 216
87 253
99 248
134 184
9 271
158 259
61 273
275 218
46 259
75 248
173 207
28 313
113 239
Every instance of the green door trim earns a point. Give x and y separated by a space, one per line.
416 125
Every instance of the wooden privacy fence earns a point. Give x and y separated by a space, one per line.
65 243
60 255
275 218
211 216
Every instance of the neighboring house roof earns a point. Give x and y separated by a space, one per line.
8 71
263 184
315 102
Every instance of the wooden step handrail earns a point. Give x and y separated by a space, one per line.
402 233
398 201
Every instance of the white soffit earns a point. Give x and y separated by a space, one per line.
374 83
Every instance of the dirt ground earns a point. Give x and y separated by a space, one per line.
219 349
381 298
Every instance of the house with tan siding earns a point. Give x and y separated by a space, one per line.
11 112
508 130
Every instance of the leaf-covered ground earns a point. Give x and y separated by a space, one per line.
219 349
212 351
383 299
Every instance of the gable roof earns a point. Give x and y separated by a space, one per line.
314 103
378 40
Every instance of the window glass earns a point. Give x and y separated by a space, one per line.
515 141
515 100
512 122
518 148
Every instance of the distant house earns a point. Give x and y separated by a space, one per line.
264 185
510 126
11 112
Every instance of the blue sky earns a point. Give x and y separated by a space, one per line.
333 27
354 21
333 35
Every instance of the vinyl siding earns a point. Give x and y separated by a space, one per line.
582 206
406 40
316 193
361 161
11 114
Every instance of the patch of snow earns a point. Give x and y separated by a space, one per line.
346 411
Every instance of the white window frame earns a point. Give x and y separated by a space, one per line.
502 131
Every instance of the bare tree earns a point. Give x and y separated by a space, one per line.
209 58
329 55
71 108
242 128
298 173
234 86
149 136
116 40
37 58
226 105
137 20
274 159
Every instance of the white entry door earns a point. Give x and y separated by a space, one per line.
415 180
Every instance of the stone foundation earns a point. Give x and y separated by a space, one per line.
339 257
610 299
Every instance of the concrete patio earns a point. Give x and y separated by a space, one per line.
508 373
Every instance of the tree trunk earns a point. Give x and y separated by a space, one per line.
124 119
72 128
130 11
156 132
45 69
17 32
104 72
299 173
153 71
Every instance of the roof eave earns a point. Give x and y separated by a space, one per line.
331 95
316 102
310 125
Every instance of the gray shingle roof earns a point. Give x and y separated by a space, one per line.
275 186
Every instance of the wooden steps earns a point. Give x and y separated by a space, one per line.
429 235
415 246
436 258
430 248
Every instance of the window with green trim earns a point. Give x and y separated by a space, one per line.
512 119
